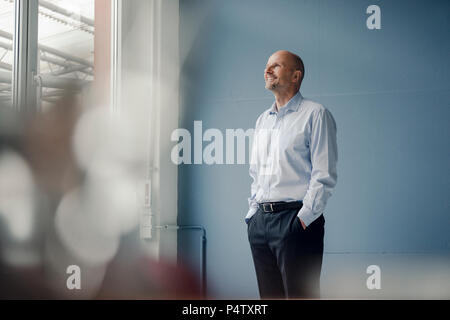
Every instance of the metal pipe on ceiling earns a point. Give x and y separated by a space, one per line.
53 51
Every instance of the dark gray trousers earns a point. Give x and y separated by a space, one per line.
287 258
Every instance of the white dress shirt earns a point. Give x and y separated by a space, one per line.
294 156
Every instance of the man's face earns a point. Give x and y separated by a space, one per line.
278 72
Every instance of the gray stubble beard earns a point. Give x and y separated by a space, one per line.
272 86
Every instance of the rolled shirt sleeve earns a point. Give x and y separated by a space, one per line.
324 156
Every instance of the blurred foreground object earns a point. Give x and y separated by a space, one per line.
68 183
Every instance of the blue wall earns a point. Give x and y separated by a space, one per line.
388 90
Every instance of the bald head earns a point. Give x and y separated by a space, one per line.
284 72
293 61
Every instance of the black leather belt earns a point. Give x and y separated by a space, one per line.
279 206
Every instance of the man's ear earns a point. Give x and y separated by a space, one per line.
297 76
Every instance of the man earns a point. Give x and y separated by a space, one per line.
293 168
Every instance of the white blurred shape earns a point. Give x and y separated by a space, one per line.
107 140
111 195
110 150
16 195
80 230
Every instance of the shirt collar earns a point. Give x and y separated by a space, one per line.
293 105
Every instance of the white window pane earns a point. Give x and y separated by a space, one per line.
66 45
6 53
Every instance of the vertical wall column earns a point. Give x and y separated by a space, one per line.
166 87
102 52
25 48
116 55
149 83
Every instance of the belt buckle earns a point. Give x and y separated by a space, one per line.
268 204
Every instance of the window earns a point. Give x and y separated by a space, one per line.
66 48
55 50
6 51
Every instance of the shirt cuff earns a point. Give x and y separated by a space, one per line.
307 216
250 213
